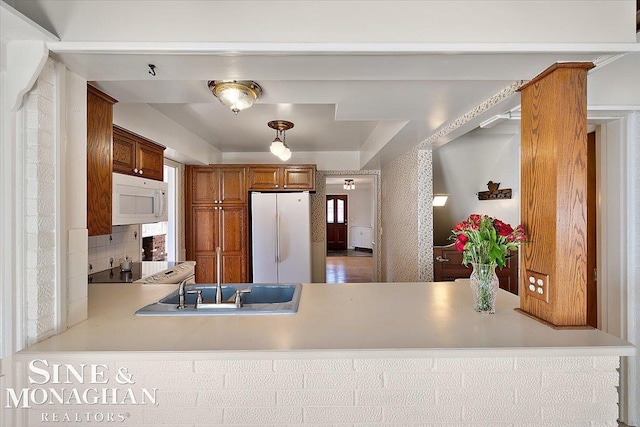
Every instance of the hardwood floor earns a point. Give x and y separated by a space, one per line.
349 269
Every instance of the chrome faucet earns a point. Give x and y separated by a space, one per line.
181 292
234 302
218 279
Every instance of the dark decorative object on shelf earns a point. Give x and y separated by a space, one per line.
494 193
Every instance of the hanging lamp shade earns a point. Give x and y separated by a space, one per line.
279 146
285 155
238 95
276 147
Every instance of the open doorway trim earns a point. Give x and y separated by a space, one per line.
318 221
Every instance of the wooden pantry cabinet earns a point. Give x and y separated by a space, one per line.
282 178
136 155
217 216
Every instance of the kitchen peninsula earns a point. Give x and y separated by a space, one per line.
388 353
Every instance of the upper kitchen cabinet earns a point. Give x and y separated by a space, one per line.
217 184
282 178
99 161
136 155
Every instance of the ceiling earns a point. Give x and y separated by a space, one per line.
379 102
335 101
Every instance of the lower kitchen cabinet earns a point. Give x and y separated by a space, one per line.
218 226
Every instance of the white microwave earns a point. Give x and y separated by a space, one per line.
138 200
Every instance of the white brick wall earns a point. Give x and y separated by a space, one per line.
511 391
40 206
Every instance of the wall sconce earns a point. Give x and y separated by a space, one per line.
440 199
349 184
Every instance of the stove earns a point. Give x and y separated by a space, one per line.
146 272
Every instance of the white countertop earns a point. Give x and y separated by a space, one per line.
386 319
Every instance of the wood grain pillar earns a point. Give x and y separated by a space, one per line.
553 275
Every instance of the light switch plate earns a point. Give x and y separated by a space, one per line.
536 285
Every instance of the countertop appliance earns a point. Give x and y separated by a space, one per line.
147 272
138 200
281 237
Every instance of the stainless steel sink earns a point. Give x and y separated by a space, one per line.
262 299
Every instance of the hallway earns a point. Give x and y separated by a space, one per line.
349 267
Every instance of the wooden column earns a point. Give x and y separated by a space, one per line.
553 275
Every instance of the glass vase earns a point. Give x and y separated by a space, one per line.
484 286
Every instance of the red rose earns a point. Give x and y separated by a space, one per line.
459 226
502 228
475 218
460 242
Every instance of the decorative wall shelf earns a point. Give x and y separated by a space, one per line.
494 193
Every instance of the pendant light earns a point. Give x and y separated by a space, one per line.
279 146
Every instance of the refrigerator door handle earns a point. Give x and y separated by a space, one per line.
277 237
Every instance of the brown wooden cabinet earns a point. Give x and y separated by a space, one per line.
217 185
136 155
282 178
224 227
99 161
217 216
447 266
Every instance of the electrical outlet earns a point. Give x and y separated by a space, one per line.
537 285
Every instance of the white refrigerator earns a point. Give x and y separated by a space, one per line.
281 237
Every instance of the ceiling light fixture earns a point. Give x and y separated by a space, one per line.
440 199
349 184
279 146
238 95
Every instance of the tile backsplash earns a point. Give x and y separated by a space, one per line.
124 240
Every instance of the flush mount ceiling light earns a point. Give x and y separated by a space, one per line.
349 184
238 95
279 146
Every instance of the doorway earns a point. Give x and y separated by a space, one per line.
350 211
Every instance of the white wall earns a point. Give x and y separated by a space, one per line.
463 168
182 145
625 94
360 203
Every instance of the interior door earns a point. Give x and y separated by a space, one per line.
337 222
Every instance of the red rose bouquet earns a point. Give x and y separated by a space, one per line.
486 240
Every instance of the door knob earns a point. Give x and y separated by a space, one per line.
440 259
